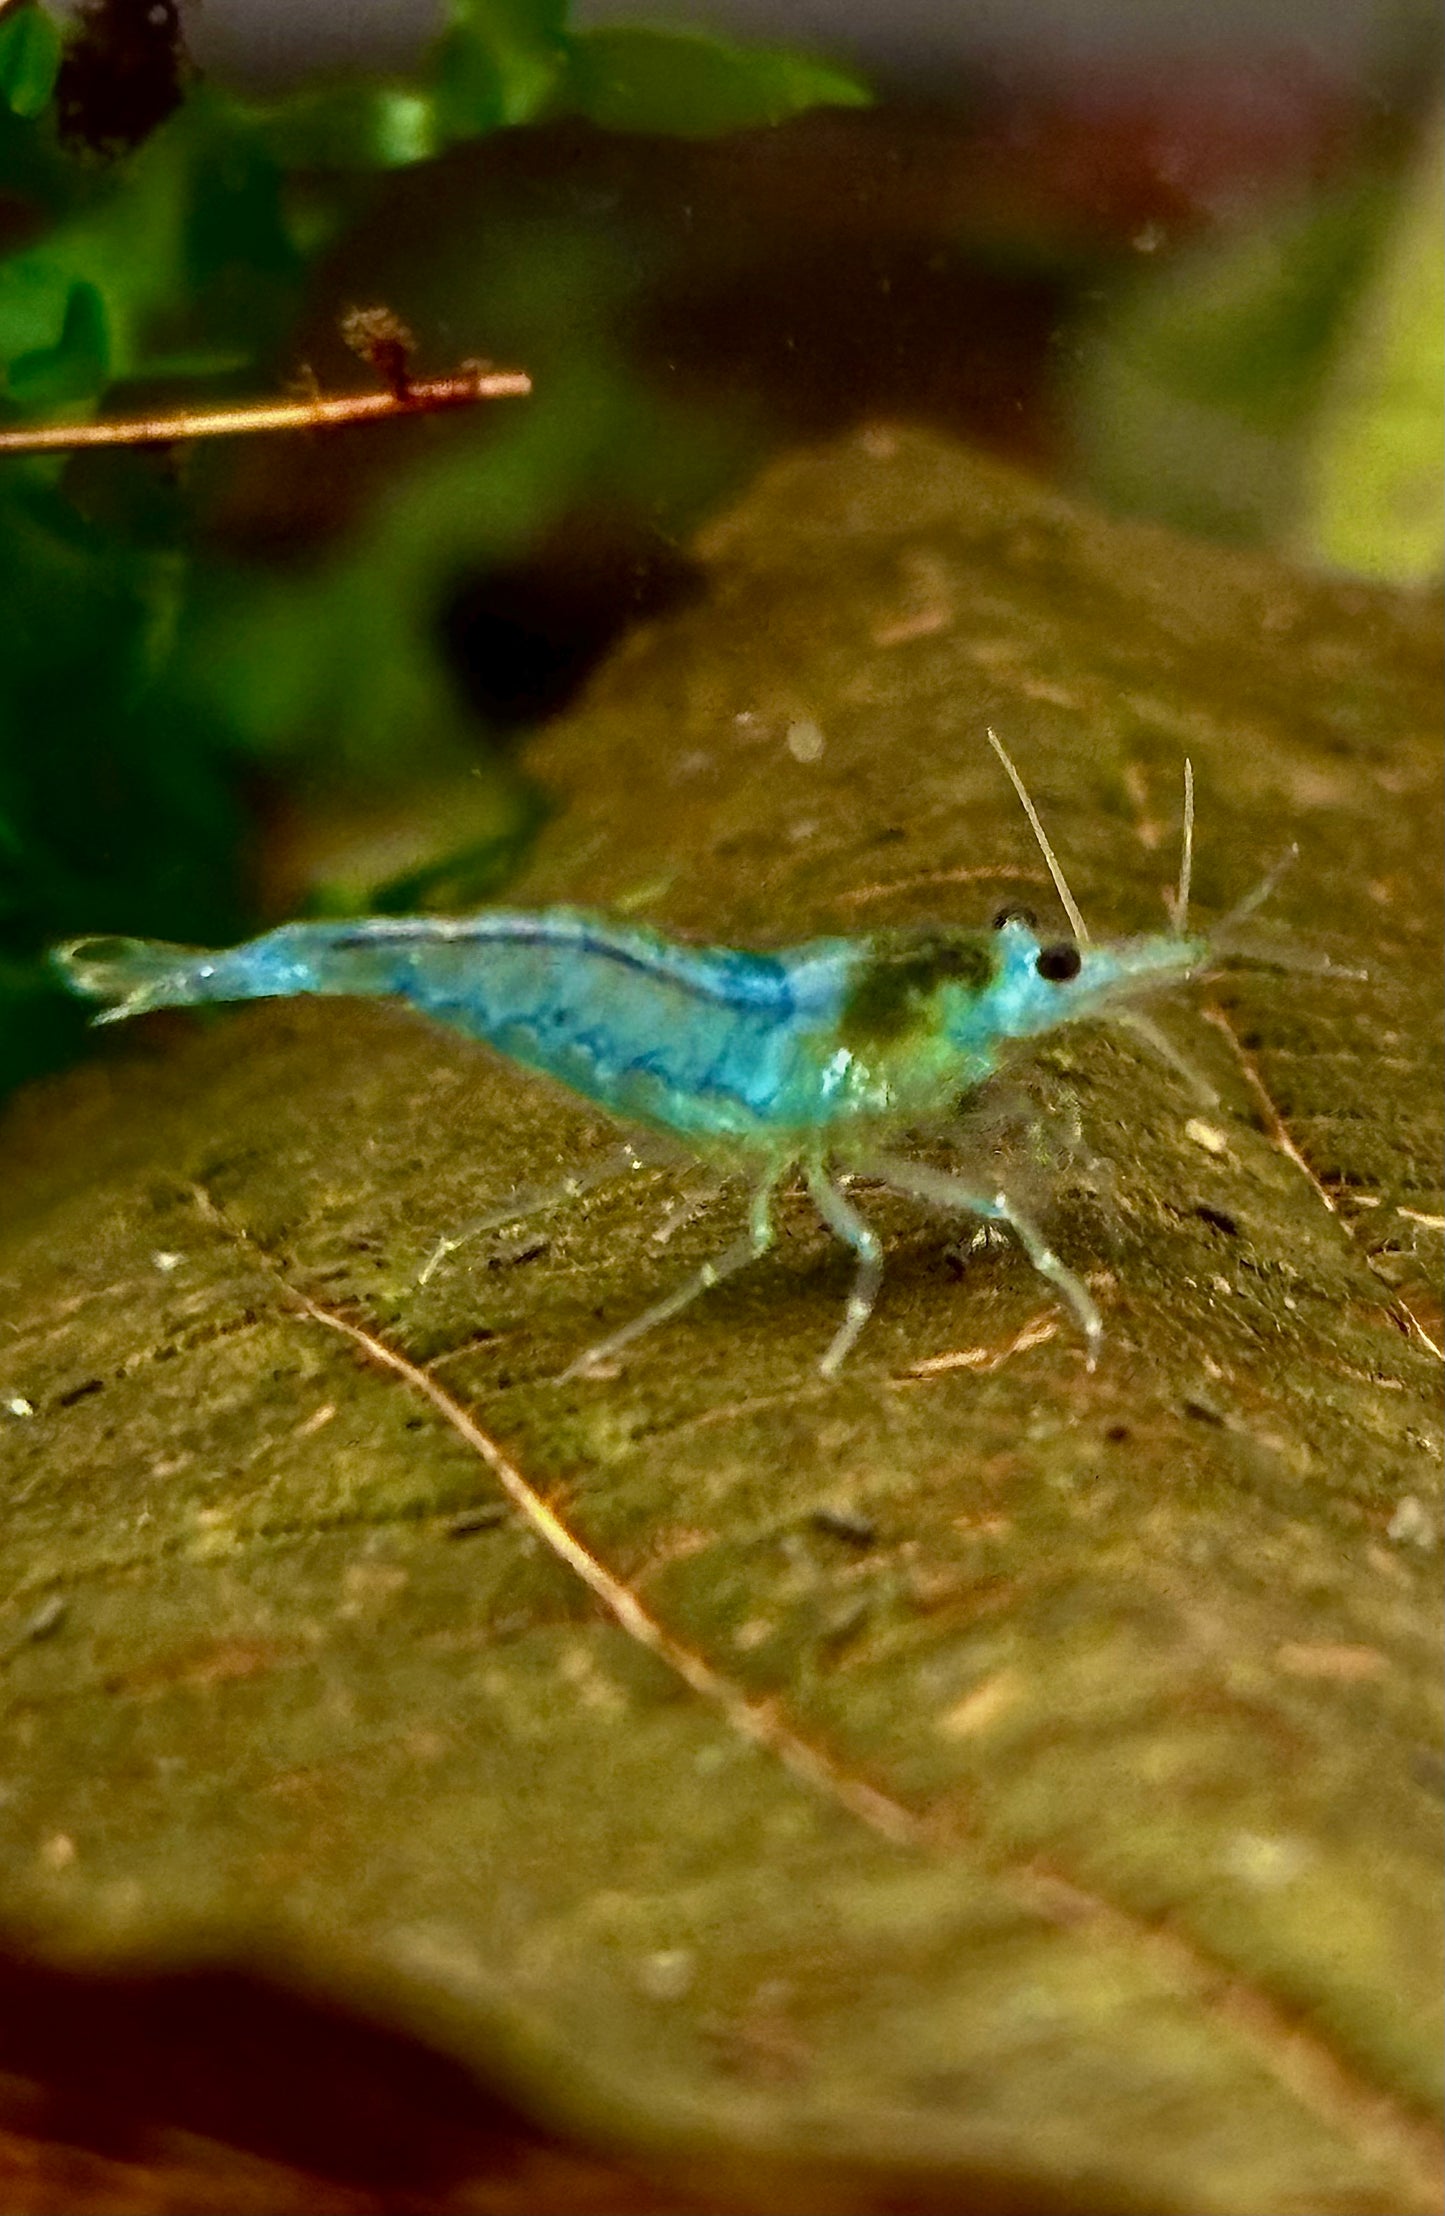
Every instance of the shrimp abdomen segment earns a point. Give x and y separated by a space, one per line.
705 1042
702 1041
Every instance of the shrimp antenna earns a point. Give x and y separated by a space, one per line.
1061 885
1186 853
1260 895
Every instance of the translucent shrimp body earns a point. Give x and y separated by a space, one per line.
779 1050
815 1058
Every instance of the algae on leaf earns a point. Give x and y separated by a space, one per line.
972 1767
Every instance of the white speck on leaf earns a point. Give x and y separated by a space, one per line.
667 1974
1265 1860
1411 1525
981 1708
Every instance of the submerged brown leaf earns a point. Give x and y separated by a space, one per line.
973 1769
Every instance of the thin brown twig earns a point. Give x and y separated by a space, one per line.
1275 1125
311 412
1278 1133
983 1360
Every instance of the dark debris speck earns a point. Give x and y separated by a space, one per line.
485 1518
80 1392
843 1523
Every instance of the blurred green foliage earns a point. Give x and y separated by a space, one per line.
1372 486
1283 383
160 231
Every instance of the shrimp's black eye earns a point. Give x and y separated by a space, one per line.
1025 916
1059 963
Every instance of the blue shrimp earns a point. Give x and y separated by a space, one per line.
810 1059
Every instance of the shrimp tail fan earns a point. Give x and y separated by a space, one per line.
132 975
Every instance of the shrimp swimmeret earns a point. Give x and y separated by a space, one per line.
814 1059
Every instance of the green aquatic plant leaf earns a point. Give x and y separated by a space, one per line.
973 1782
684 82
54 335
30 50
498 64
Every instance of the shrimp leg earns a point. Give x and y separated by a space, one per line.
536 1200
919 1181
683 1210
753 1244
844 1221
